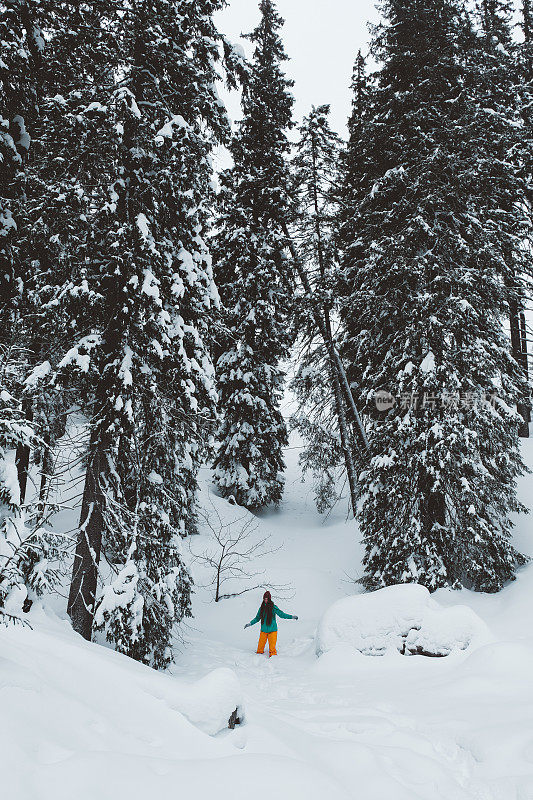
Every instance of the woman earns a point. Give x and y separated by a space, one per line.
269 628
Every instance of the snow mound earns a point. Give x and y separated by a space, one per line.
210 702
80 721
403 618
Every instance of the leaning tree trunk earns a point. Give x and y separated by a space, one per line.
328 338
82 596
344 430
341 389
346 443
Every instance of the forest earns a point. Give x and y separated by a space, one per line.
259 365
155 305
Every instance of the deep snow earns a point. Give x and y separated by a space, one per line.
402 618
79 721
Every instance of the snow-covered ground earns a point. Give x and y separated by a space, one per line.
79 721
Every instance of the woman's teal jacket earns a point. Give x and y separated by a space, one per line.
273 625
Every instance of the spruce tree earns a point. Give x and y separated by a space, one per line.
23 548
49 232
151 296
322 416
50 237
497 91
525 64
22 45
351 186
253 277
422 310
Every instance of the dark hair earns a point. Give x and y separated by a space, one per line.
267 609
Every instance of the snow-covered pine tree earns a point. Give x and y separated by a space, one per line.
351 167
315 174
151 283
63 173
19 551
322 416
359 88
498 91
525 62
253 277
423 308
21 45
54 222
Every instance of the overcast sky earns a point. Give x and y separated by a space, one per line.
321 38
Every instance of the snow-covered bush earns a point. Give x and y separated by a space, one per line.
402 617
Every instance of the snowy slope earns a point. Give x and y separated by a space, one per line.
392 727
81 721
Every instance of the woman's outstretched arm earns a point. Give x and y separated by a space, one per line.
283 615
255 619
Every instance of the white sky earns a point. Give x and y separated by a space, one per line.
321 38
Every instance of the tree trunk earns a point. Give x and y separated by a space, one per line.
22 455
328 338
81 601
46 467
346 443
519 350
523 339
341 388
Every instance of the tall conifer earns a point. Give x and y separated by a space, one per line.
253 276
322 416
422 309
151 292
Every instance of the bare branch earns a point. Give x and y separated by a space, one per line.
232 547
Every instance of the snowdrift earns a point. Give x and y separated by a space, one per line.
73 712
403 618
211 702
80 721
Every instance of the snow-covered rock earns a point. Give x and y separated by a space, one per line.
443 630
403 618
210 702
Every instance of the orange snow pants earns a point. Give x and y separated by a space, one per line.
272 638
